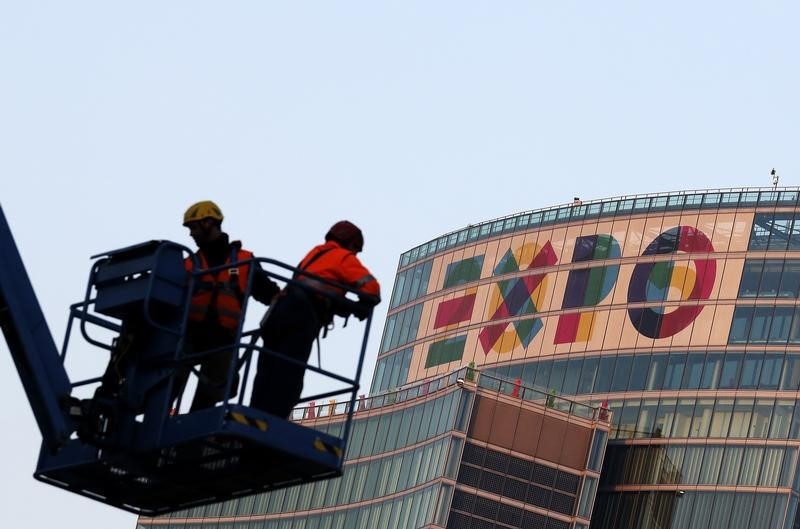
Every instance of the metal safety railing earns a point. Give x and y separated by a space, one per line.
469 375
245 342
607 207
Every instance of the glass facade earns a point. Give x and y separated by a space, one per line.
706 370
676 312
391 371
410 284
691 510
673 318
401 328
396 472
764 465
419 457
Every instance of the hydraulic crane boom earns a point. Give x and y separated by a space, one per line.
31 345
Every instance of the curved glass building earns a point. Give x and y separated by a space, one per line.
621 363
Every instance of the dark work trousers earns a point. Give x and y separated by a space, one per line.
290 329
214 368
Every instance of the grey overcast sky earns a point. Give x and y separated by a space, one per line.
410 118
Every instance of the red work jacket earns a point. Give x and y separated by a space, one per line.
332 261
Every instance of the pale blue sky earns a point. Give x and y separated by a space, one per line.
410 118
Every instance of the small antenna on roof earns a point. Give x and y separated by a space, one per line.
775 177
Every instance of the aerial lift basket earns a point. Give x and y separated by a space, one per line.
128 447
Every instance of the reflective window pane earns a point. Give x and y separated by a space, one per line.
701 421
790 279
605 374
543 375
781 325
751 371
622 373
771 371
665 417
730 371
588 375
740 326
721 420
770 278
790 375
712 371
647 417
762 414
781 419
762 320
751 278
674 374
639 370
731 463
693 371
657 371
571 377
683 418
740 420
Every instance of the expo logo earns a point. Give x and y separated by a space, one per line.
654 282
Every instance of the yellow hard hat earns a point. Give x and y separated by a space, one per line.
204 209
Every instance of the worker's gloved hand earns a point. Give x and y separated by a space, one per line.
361 310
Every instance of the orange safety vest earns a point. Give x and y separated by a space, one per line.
224 289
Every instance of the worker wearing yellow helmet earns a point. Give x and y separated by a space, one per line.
204 220
205 209
216 305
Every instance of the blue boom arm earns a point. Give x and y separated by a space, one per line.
31 345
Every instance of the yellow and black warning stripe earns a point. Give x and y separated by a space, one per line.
322 446
241 418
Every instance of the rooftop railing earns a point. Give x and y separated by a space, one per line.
412 391
607 207
549 399
464 375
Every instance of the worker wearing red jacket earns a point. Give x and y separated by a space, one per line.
217 298
299 314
